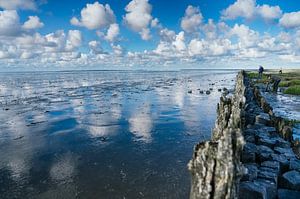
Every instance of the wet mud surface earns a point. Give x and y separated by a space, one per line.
104 134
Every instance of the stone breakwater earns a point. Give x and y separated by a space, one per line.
216 166
249 155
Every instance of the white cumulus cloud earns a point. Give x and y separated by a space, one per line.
248 9
9 23
167 35
191 20
74 40
18 4
241 8
290 20
55 41
33 23
112 32
196 47
199 40
95 47
179 42
95 16
139 18
117 49
246 36
269 13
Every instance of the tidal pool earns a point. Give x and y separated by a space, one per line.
104 134
287 106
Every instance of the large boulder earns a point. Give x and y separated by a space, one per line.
287 152
282 143
273 165
249 138
263 156
252 190
263 153
269 142
250 118
260 127
290 180
263 118
249 135
268 169
249 132
283 161
271 188
248 153
264 149
268 129
295 164
267 175
267 138
250 172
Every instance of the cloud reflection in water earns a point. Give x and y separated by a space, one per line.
140 124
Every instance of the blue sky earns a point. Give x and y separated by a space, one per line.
148 34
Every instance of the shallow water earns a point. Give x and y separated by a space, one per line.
103 134
284 105
287 106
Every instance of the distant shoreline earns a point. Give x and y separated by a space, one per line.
145 70
127 70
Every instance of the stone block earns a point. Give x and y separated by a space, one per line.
249 138
250 118
268 129
267 175
251 172
261 157
282 143
269 142
263 118
295 164
290 180
248 153
251 190
271 188
272 164
249 132
264 149
283 161
268 169
259 127
287 152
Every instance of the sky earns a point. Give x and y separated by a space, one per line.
148 34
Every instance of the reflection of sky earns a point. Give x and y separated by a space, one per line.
140 123
49 120
14 155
